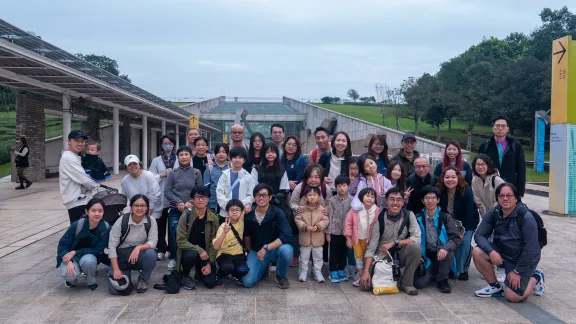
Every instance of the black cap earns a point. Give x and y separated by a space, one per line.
407 136
77 134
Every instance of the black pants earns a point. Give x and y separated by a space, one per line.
338 253
437 271
75 213
162 222
232 264
192 259
325 251
21 177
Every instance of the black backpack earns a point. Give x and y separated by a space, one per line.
542 232
125 229
442 220
405 222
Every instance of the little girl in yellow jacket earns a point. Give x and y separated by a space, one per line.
311 222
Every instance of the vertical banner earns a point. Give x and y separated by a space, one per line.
540 143
571 169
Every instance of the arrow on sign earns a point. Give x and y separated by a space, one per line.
563 51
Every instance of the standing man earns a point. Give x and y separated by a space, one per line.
75 185
417 181
237 137
322 145
407 154
506 153
268 237
277 134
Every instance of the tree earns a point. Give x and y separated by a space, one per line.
326 100
415 93
370 99
435 103
353 94
105 63
7 99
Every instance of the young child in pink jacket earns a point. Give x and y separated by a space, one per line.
358 226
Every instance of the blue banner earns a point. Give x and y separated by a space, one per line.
539 158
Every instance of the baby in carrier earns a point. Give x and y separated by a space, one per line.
93 164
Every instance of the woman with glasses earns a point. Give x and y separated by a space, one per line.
458 200
378 149
485 182
293 160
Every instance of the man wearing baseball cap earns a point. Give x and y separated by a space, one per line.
73 178
407 154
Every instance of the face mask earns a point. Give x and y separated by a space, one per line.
167 147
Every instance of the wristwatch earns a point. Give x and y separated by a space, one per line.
396 242
265 247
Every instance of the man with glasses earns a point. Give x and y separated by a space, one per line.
514 247
407 154
237 137
439 241
507 154
268 238
417 181
196 231
401 233
277 135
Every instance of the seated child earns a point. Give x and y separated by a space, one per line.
311 221
93 164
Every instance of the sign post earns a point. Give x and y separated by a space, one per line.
194 121
562 195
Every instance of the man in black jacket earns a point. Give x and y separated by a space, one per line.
507 154
417 181
268 237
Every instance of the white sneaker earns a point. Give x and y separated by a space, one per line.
489 291
356 283
319 277
172 264
160 256
540 287
167 255
302 277
273 268
500 274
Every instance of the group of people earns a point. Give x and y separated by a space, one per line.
243 211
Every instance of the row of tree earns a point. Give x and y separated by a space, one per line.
352 94
509 76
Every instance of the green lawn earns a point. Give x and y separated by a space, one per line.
5 170
533 176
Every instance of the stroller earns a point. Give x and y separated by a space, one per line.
114 201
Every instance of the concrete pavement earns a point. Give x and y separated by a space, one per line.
32 291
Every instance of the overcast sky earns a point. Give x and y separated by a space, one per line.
272 48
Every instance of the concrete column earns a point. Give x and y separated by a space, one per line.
66 120
177 134
145 142
116 139
153 143
164 127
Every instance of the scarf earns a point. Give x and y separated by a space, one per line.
394 218
168 160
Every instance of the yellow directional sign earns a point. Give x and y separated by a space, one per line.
563 78
225 138
194 120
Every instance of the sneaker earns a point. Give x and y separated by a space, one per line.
319 277
167 255
335 277
20 188
273 268
356 283
282 282
500 274
239 281
342 275
540 287
490 291
188 283
93 287
82 274
463 276
68 284
142 285
302 277
28 185
160 256
444 286
220 282
294 262
409 290
172 264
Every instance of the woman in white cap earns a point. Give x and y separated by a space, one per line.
143 182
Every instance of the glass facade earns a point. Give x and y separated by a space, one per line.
290 127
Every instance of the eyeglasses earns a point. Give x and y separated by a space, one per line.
500 126
507 197
237 132
139 206
398 200
291 145
262 196
234 210
480 164
430 198
421 166
200 197
409 142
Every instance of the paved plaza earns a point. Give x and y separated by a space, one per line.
32 291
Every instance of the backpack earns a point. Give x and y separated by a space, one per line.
542 232
80 225
125 229
405 221
442 220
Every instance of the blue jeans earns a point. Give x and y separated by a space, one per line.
282 256
145 265
173 218
87 264
351 257
464 252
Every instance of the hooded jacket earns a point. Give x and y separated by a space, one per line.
311 216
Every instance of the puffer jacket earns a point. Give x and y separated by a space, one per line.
312 216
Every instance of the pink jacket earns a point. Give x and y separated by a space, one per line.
351 225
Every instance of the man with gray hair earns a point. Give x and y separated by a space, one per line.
417 180
237 137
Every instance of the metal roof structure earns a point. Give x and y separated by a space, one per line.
255 108
32 64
